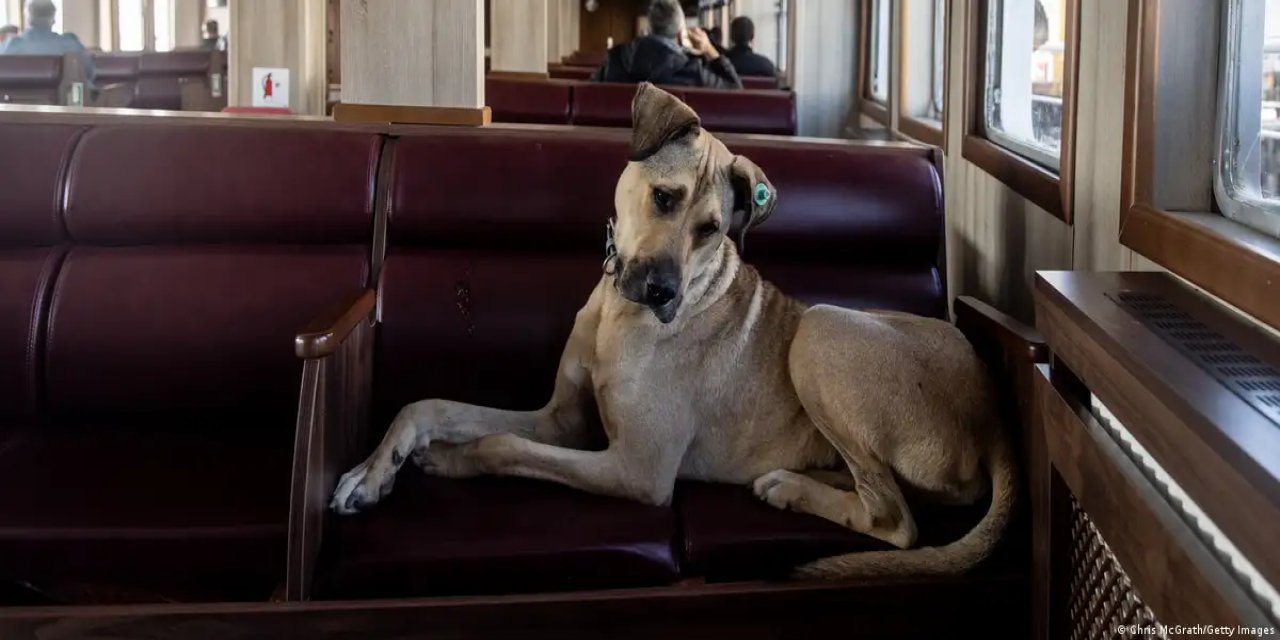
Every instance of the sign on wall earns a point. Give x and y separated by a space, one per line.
270 87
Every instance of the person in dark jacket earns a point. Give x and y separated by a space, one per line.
661 58
742 35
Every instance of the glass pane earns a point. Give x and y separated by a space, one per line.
57 17
1270 130
939 54
130 22
164 25
1025 53
879 51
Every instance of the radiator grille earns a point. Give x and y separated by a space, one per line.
1101 597
1255 381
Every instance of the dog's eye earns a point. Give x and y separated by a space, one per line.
664 200
708 229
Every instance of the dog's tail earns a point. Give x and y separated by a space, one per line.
954 558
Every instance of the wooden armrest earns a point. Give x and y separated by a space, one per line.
1013 335
322 335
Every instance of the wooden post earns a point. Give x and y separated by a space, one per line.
410 61
518 38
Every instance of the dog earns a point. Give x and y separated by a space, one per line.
695 367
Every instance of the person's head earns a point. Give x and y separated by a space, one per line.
210 28
41 13
666 18
742 32
6 32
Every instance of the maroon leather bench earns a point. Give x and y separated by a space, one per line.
529 101
162 75
148 327
599 104
33 80
116 68
479 291
146 323
568 72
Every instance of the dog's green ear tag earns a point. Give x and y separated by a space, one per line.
761 194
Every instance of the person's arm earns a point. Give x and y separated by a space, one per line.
716 71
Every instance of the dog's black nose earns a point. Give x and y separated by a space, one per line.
657 293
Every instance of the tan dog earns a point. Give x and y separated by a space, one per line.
697 368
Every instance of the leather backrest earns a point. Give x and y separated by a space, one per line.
490 259
607 104
757 82
747 111
30 72
175 63
198 254
33 160
530 101
116 67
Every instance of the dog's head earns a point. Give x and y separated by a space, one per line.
677 199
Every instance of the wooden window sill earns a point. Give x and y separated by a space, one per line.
1028 179
926 131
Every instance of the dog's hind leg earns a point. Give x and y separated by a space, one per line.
874 507
563 421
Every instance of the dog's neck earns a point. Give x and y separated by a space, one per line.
711 283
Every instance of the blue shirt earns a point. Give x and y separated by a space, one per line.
42 41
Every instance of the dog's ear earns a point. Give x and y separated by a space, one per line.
657 118
754 197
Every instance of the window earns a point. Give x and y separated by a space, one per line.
164 27
939 56
924 66
1247 182
57 17
129 21
878 67
1024 73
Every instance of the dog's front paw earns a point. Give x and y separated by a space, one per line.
783 489
361 488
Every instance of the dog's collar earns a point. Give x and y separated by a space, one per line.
610 249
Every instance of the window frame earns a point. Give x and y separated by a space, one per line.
1050 190
869 106
1232 198
911 125
1177 225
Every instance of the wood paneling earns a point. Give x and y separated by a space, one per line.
413 53
188 23
519 36
612 19
278 33
81 18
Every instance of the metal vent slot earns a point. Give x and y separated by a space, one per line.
1255 381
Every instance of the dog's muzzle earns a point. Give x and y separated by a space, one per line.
654 283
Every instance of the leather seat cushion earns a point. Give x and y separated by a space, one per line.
138 502
26 277
434 536
729 534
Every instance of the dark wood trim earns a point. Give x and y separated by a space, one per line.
1028 179
1178 575
392 114
1227 259
869 106
921 130
323 334
1138 172
519 75
1048 190
1224 453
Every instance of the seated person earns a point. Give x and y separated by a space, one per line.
742 34
39 38
660 57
